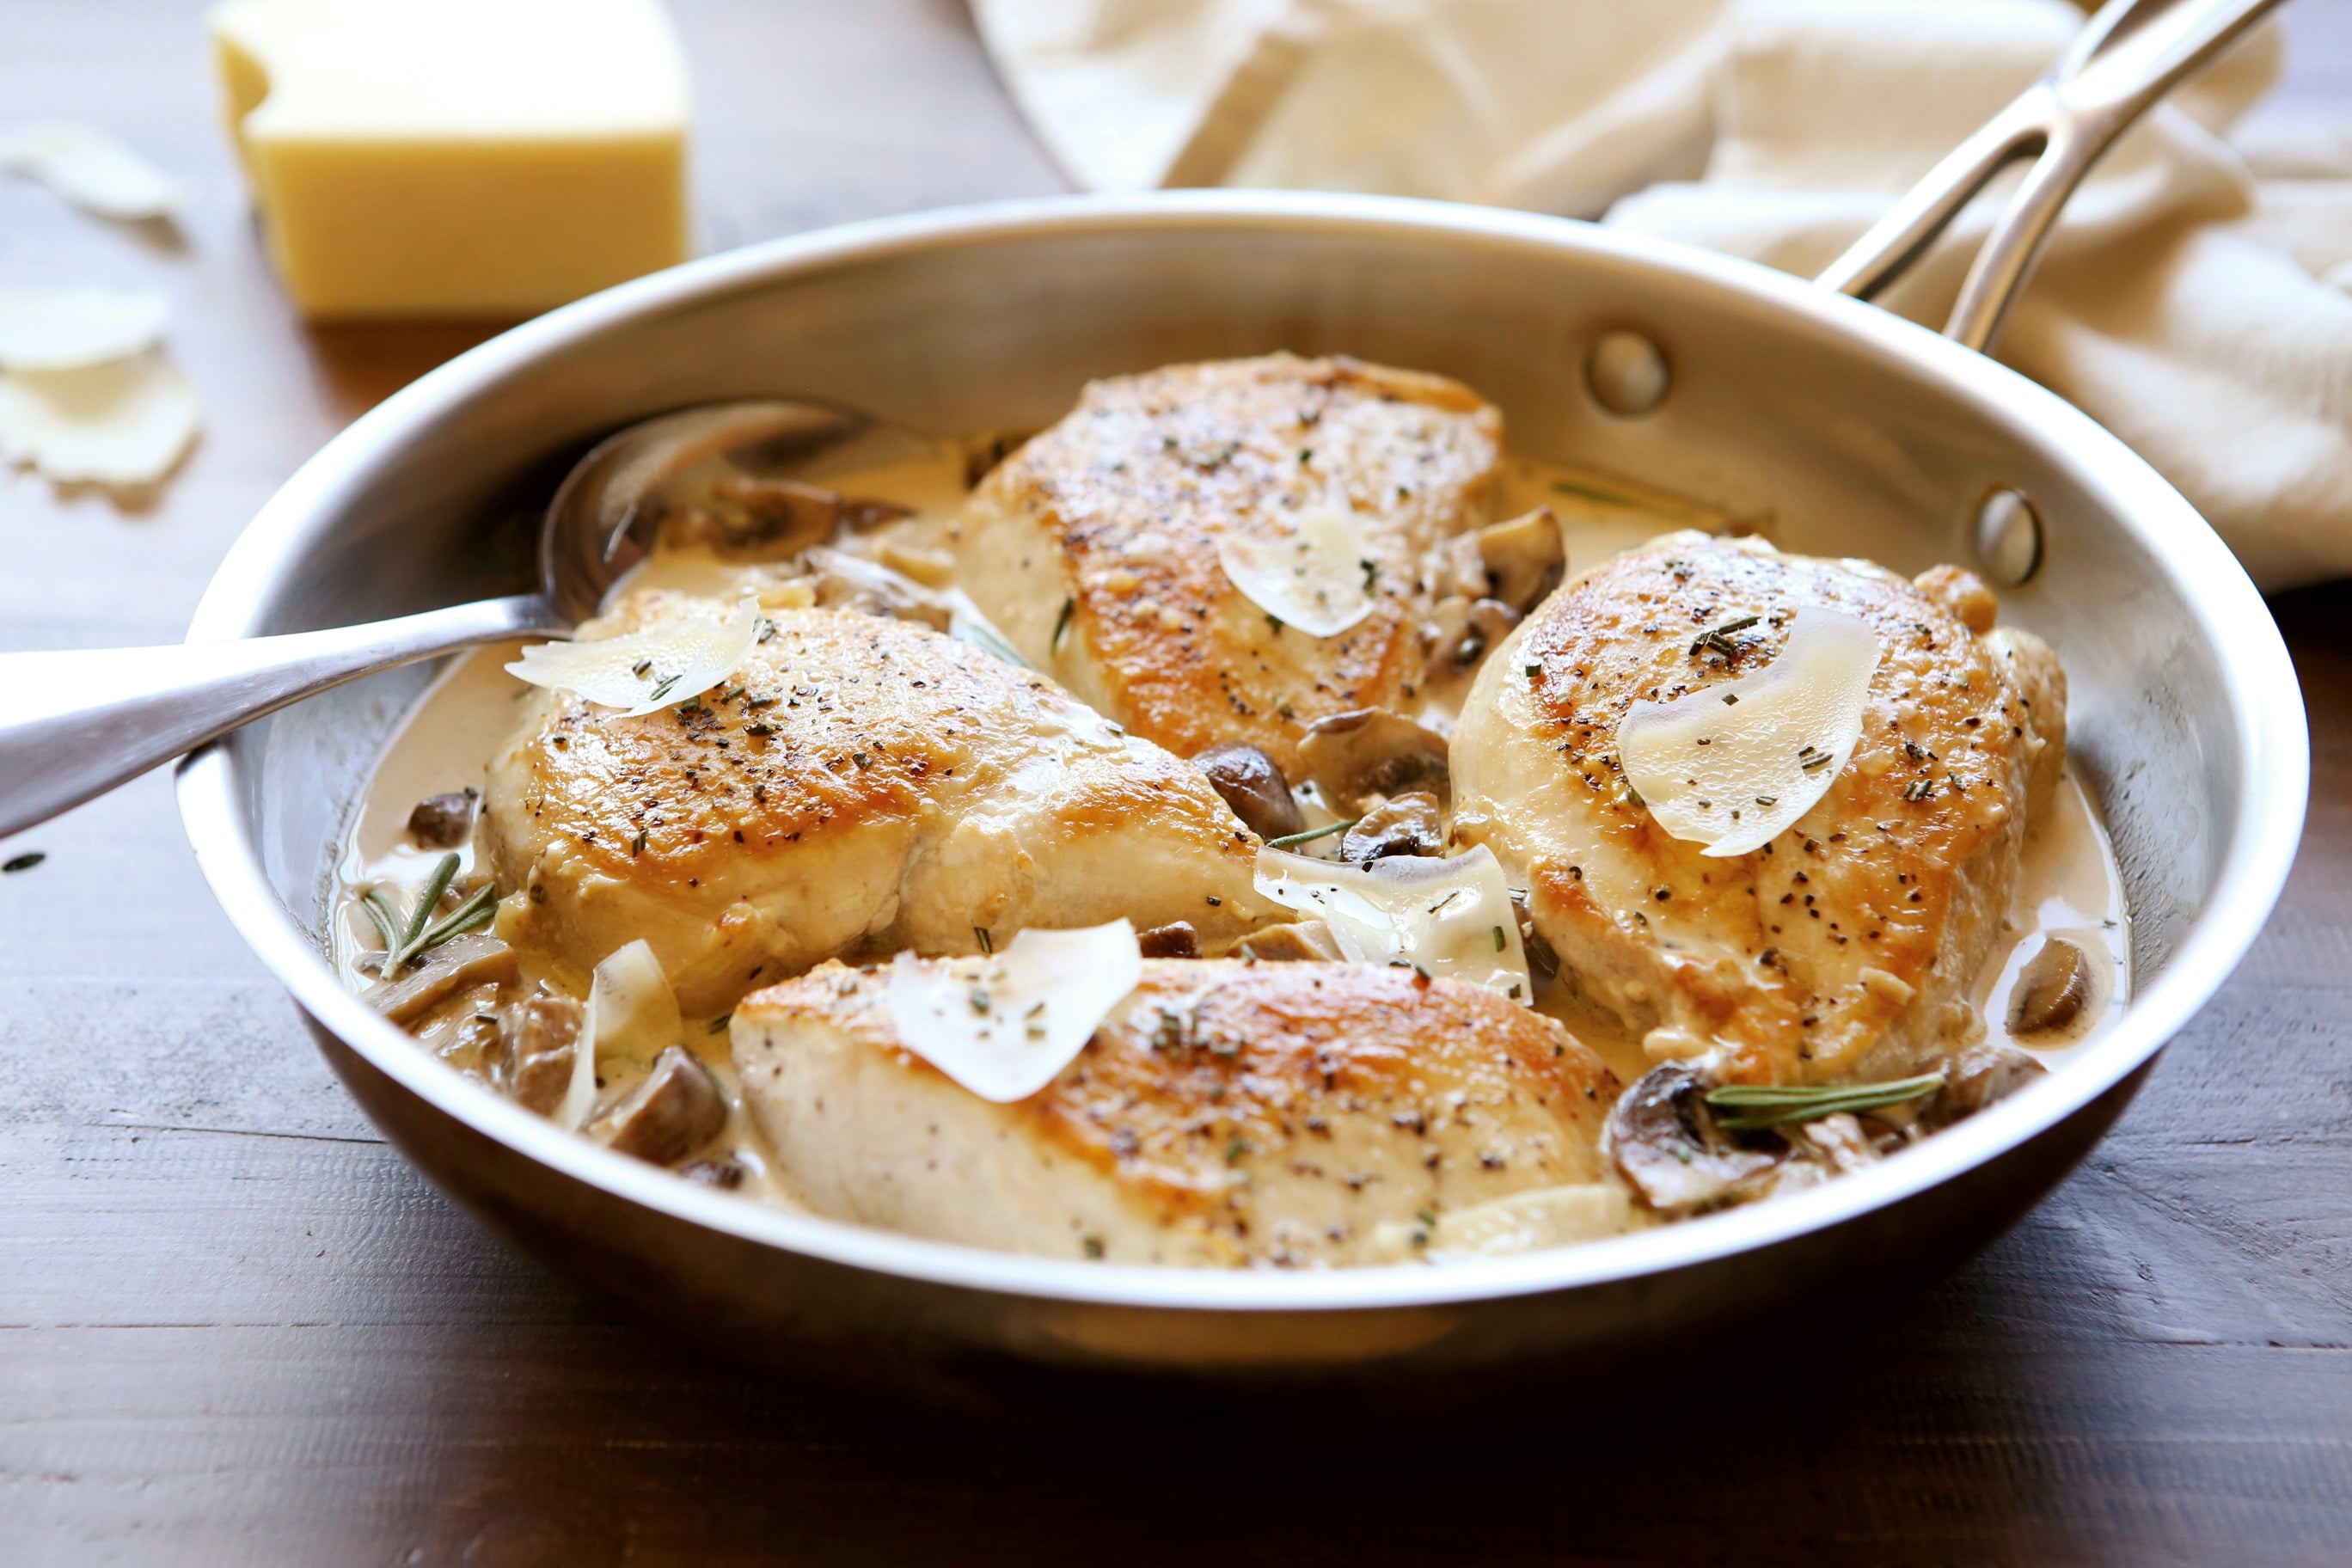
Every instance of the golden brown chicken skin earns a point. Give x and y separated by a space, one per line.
1224 1114
1846 945
860 784
1117 511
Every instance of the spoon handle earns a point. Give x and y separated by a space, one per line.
76 723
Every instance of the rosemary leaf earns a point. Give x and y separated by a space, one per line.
1312 834
1776 1104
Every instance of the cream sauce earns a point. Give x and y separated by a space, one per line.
2068 887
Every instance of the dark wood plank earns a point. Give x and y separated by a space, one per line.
234 1327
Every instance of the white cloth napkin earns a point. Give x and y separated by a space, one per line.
2194 300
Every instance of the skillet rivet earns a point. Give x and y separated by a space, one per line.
1627 372
2009 538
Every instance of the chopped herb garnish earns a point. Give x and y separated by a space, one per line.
718 1024
24 862
637 845
987 943
1498 938
1372 573
406 935
1062 624
1312 834
1768 800
1775 1105
1719 638
1819 760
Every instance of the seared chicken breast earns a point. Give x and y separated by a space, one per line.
1095 545
861 784
1846 946
1223 1113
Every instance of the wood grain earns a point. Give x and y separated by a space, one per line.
234 1327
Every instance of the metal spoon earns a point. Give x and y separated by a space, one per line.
75 724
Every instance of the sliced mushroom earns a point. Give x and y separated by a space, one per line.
1177 939
539 1056
725 1174
462 961
1305 942
1368 754
1665 1142
1253 787
847 582
1458 634
1975 1078
442 820
1408 824
677 1109
1525 558
2052 990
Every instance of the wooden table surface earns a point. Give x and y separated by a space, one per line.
235 1326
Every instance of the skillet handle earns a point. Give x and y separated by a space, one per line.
74 725
2127 57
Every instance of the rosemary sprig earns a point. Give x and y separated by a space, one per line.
406 936
1312 834
1775 1104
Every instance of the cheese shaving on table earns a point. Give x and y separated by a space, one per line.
1318 577
1003 1025
95 172
125 423
68 329
1733 765
1451 919
645 672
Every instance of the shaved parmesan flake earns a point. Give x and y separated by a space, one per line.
632 1013
92 170
66 329
645 672
125 423
1734 765
1005 1024
1449 918
1318 577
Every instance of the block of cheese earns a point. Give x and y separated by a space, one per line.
458 157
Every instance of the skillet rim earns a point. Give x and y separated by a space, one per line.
2272 752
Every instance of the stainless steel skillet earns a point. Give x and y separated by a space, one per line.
1853 432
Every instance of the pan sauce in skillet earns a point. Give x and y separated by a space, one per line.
1248 1111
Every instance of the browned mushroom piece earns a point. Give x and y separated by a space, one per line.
846 582
1177 939
1251 785
1525 558
725 1174
439 971
1975 1078
1459 633
2052 990
540 1051
676 1111
747 518
1666 1144
1305 942
443 821
1368 754
1408 824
